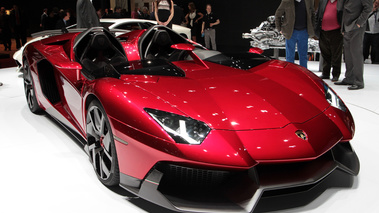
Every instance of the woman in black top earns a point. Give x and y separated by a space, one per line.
164 11
192 20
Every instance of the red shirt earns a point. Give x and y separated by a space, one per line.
329 21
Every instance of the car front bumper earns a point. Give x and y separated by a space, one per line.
185 189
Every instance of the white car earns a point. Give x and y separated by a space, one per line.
138 24
123 24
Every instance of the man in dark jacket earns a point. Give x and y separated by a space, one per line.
294 19
86 15
64 20
328 30
178 15
19 23
354 17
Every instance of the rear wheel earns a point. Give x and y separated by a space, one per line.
30 95
101 146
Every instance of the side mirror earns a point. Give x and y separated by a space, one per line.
256 50
183 46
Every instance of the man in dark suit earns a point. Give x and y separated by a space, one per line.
64 20
19 23
86 15
178 15
355 14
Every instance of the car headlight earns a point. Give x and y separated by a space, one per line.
182 129
333 99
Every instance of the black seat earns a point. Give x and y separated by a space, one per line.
101 54
159 46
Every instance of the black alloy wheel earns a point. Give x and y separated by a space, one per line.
30 95
101 146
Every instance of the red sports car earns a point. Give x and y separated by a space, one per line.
187 128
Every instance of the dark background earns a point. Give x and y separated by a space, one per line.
236 16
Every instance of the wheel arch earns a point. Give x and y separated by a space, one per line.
88 100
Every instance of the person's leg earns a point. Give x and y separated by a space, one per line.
366 46
325 53
213 39
8 40
375 49
23 36
336 46
193 34
302 47
357 56
18 39
347 50
206 39
290 48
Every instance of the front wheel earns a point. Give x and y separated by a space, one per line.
30 95
101 146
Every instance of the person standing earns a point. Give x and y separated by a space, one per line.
371 37
136 13
19 23
208 28
328 30
86 15
145 13
5 29
164 12
354 17
64 20
294 19
192 20
178 15
44 17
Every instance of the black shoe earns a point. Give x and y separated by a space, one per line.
341 83
355 87
334 79
324 77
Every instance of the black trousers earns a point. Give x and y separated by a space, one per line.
20 36
331 45
371 41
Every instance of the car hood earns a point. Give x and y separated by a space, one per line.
265 97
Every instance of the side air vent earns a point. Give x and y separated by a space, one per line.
48 81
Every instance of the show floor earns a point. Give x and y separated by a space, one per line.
44 170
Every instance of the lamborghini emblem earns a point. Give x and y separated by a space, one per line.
301 134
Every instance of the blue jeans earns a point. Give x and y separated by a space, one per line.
299 37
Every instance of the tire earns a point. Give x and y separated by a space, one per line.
30 95
101 146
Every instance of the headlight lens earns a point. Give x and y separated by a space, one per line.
182 129
333 99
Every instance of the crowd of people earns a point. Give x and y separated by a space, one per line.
14 22
13 25
348 27
343 28
165 12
